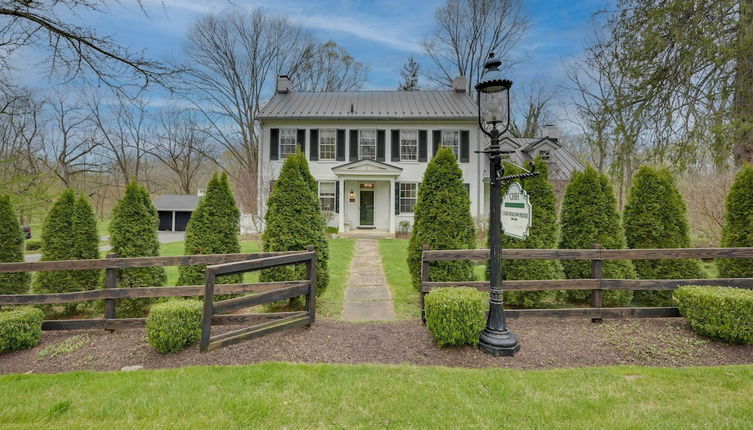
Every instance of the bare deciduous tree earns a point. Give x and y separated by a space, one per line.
467 31
328 67
533 102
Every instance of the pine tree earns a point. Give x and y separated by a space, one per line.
11 249
442 220
738 225
656 217
410 76
133 233
213 229
293 221
589 217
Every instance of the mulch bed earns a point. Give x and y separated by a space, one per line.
547 343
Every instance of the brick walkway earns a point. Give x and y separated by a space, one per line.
367 297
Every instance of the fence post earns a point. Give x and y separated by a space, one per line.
424 278
311 297
597 296
111 281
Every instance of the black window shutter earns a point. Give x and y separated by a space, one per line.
313 144
340 145
274 143
337 197
397 198
380 145
422 142
465 146
300 141
353 145
395 146
436 138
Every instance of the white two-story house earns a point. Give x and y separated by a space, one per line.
369 149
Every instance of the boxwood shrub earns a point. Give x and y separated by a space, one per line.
20 328
174 325
720 312
456 315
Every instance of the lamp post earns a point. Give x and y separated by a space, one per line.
494 120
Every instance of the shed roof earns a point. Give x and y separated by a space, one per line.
176 202
434 104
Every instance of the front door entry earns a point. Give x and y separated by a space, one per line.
367 206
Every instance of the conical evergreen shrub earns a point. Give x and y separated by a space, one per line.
293 221
133 233
589 216
656 217
86 244
542 235
58 243
213 229
738 225
11 249
442 219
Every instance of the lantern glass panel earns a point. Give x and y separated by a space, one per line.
494 108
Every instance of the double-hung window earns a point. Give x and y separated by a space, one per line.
408 194
327 196
545 156
408 145
327 144
287 142
451 139
367 145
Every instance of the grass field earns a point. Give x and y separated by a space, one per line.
279 395
394 253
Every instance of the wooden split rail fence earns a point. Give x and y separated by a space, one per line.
215 313
597 283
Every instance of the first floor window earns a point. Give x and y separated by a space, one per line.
367 145
451 139
408 193
544 155
287 142
327 196
327 144
408 145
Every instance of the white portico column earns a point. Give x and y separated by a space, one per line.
341 217
392 205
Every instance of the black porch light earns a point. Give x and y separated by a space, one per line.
493 95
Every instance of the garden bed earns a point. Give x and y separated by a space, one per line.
547 343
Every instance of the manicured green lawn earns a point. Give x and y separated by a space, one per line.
406 298
330 303
279 395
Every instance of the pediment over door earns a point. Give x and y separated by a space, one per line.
367 168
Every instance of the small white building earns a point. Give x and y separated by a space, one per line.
369 149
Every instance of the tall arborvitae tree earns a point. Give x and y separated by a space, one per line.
58 244
410 76
213 229
542 235
11 249
293 221
442 220
656 217
589 217
738 225
86 244
133 233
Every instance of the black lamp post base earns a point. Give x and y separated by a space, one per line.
499 344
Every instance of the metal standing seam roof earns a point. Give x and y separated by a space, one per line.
176 202
435 104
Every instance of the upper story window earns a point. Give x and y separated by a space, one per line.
408 145
367 145
545 156
327 144
451 139
327 196
408 196
287 142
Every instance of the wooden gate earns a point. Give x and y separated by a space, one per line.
280 291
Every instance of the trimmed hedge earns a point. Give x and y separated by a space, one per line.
738 225
442 219
723 313
174 325
11 249
20 328
456 315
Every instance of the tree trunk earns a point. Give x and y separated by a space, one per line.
743 100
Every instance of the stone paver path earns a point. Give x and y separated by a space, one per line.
367 296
